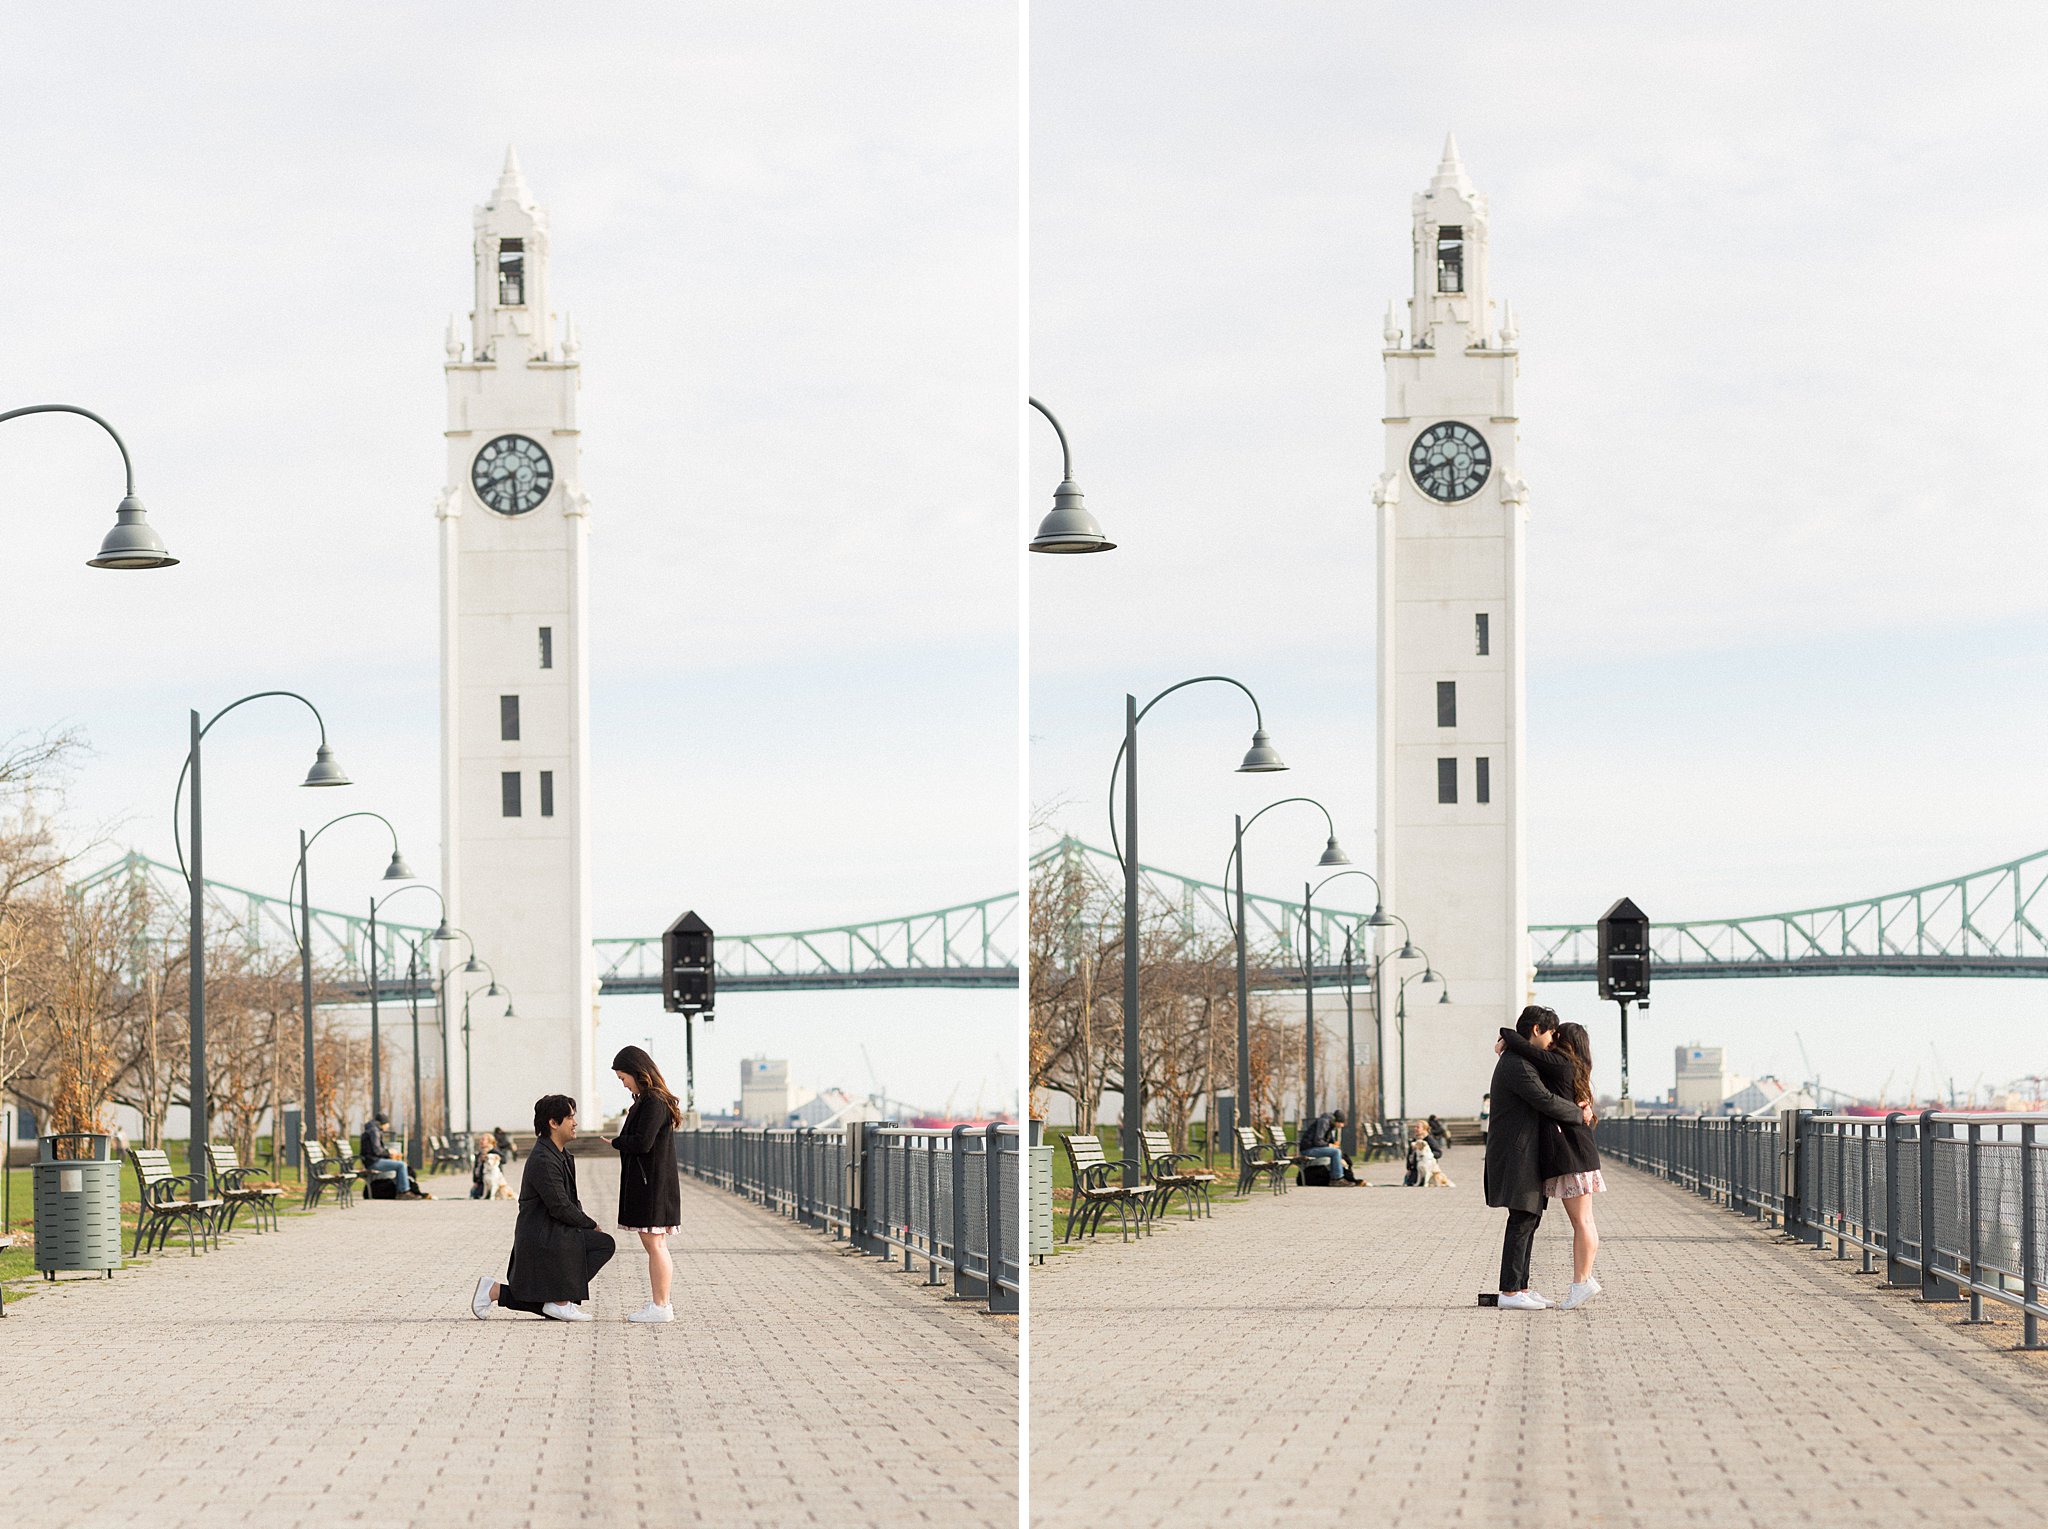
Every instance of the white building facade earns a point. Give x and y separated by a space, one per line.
515 710
1451 518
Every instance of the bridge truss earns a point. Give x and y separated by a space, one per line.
1987 923
969 945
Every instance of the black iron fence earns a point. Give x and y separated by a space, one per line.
1957 1203
945 1198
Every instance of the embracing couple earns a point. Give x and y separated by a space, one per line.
1540 1147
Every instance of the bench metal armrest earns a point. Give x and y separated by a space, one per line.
156 1193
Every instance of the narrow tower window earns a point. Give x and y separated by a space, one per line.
508 718
508 785
511 273
1446 703
1482 781
1450 259
1446 780
547 793
1478 621
547 645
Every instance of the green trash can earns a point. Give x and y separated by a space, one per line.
78 1204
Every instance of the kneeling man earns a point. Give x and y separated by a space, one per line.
556 1248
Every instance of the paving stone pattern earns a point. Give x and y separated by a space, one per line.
1320 1358
332 1373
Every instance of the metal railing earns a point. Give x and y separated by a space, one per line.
948 1198
1957 1203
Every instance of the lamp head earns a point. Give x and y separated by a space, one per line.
398 870
1333 854
443 934
494 991
325 771
1070 528
1407 952
473 965
133 543
1263 758
1447 996
1428 974
1381 919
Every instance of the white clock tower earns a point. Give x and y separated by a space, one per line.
515 711
1452 515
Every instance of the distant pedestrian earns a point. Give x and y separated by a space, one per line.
507 1154
1569 1159
1514 1174
556 1247
1439 1138
650 1182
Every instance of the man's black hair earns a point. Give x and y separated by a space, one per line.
1535 1018
548 1109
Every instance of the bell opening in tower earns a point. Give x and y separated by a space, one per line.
512 273
1450 259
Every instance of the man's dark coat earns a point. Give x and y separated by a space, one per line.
1523 1106
1563 1148
549 1239
650 1183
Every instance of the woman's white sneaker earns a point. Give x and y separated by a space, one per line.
653 1313
1581 1292
481 1302
562 1311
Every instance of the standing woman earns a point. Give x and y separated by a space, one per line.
650 1183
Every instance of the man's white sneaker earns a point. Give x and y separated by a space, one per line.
1523 1300
653 1313
481 1302
562 1311
1581 1292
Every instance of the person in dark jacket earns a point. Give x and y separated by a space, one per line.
1522 1104
507 1154
556 1247
1322 1139
1569 1157
377 1157
650 1183
1439 1138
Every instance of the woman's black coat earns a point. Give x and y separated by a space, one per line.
548 1242
650 1183
1561 1148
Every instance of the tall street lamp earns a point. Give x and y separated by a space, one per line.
1332 854
1378 919
133 542
1262 758
1407 952
491 991
443 933
1426 976
1069 527
442 1003
325 772
398 870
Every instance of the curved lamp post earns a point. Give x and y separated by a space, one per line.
1261 758
133 542
1378 919
1333 854
398 870
1407 952
441 932
325 772
1426 976
1069 527
490 991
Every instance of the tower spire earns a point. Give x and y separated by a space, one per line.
512 181
1450 169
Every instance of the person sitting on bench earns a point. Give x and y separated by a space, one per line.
377 1158
1319 1143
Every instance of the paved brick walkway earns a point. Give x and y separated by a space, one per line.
798 1385
1723 1379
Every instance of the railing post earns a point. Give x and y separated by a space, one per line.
999 1229
1930 1254
1863 1191
1894 1260
959 1203
1841 1193
1974 1149
2030 1231
931 1213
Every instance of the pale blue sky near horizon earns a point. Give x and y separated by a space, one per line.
789 240
1780 360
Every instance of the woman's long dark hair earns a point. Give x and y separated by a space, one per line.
1577 1046
648 1080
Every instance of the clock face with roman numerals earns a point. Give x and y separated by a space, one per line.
512 474
1450 461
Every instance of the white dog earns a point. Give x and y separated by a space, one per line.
1427 1170
495 1187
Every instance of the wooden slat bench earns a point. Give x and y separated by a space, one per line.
163 1207
322 1174
232 1184
1098 1185
1255 1160
1176 1173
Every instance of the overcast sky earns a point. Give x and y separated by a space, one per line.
789 237
1776 278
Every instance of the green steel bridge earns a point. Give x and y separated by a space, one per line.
1986 923
969 945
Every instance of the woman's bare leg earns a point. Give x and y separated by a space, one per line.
1585 1236
660 1270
